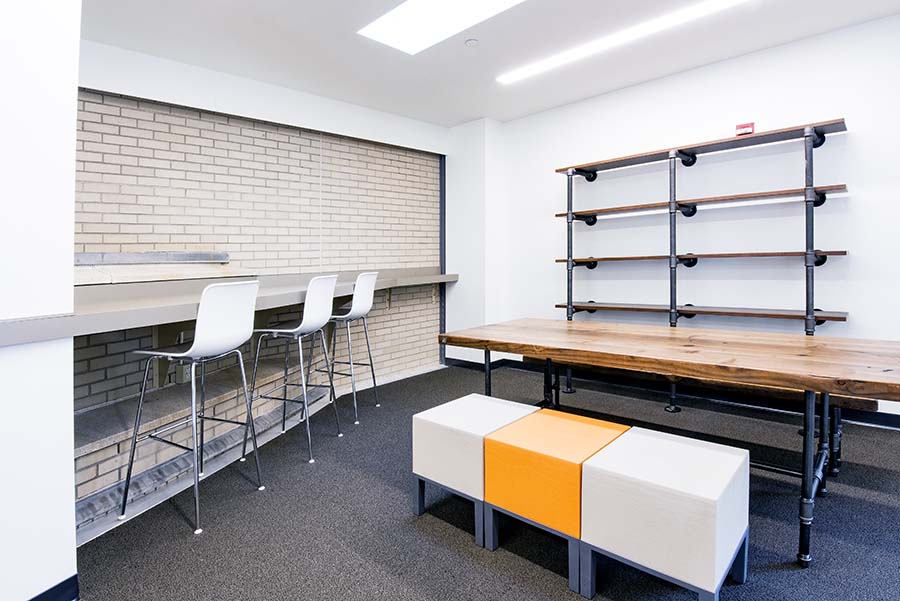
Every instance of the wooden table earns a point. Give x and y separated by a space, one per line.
817 365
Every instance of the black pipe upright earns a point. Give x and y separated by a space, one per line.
673 407
570 263
809 257
673 252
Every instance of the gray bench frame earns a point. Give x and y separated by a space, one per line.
492 536
590 556
419 503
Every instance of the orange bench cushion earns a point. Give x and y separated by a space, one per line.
532 467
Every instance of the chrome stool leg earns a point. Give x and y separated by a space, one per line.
202 413
134 435
371 361
305 400
250 424
312 356
337 417
287 353
352 373
196 448
252 392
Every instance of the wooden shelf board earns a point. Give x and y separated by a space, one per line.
737 255
710 200
707 310
757 139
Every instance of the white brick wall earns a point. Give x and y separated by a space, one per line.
279 199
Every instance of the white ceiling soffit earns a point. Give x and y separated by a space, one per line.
313 46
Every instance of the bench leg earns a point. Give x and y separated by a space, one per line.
491 528
588 571
479 523
739 567
574 565
707 596
419 496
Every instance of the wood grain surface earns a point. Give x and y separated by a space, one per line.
847 366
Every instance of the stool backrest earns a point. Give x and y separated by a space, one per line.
318 303
363 294
224 319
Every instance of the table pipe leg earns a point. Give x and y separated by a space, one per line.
568 389
556 388
824 441
673 407
548 383
487 372
837 432
807 502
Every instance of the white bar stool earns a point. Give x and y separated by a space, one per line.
224 323
316 312
363 297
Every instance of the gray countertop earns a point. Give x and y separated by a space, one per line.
109 307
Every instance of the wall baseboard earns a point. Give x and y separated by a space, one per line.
67 590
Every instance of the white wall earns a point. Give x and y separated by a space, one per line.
111 69
39 62
851 73
465 234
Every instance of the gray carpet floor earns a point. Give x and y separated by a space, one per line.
343 528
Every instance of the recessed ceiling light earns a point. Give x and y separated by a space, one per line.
471 42
620 38
419 24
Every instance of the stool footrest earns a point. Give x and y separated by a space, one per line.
357 363
169 442
224 421
174 425
296 399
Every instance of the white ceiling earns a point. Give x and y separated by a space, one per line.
312 45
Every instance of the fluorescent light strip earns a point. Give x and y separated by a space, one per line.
620 38
419 24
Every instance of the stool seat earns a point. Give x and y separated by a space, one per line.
173 351
286 327
675 506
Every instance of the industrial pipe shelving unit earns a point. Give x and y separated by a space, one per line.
813 136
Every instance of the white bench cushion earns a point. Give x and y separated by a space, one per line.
675 505
448 440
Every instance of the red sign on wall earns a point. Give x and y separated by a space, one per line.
744 128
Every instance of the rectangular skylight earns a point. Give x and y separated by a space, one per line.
620 38
419 24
